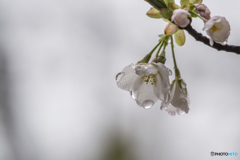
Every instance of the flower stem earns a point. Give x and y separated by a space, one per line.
177 72
162 41
194 13
148 56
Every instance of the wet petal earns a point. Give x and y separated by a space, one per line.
162 84
171 110
208 25
180 98
126 78
143 93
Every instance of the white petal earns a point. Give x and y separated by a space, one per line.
144 93
171 110
216 19
151 69
180 98
140 69
208 25
162 84
126 78
211 42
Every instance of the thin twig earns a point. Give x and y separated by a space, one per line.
205 40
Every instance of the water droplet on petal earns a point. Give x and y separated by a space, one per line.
182 90
172 113
132 95
131 64
119 76
183 104
124 80
183 84
169 72
147 104
180 112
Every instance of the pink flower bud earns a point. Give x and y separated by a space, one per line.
203 11
180 17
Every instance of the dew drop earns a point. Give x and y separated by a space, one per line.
183 103
119 76
132 95
147 104
169 72
124 80
183 91
183 84
180 112
131 64
172 113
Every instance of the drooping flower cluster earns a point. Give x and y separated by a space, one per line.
148 81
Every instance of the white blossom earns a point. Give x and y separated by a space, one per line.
180 17
179 99
218 29
147 83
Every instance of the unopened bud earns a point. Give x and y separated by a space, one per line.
180 17
203 11
154 13
170 29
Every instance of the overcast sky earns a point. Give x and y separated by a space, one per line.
61 59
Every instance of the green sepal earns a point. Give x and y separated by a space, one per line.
161 36
185 3
172 84
168 1
162 59
196 1
193 9
166 13
158 4
154 13
180 37
179 80
173 6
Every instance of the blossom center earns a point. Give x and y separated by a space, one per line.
214 28
150 79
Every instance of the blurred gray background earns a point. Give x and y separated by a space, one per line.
59 99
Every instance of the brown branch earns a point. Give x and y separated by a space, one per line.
205 40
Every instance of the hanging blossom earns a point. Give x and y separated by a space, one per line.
180 17
218 29
179 99
147 83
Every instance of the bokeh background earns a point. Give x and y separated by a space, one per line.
59 99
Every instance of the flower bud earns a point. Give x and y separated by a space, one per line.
203 11
170 29
154 13
180 17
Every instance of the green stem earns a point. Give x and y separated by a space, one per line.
177 72
197 15
148 56
162 41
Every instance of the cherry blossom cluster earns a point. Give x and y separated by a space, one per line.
148 81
